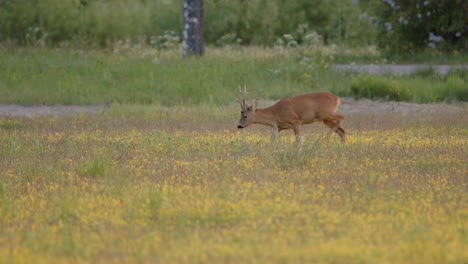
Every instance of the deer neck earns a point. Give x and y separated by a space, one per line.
264 117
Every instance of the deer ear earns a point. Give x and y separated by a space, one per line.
254 106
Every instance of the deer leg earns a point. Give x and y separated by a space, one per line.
275 132
338 129
297 131
334 125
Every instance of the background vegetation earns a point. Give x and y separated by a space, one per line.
409 27
131 75
116 51
399 28
255 22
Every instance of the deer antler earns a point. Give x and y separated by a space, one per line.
241 99
244 92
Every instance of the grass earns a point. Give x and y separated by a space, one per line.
149 184
69 77
162 78
425 86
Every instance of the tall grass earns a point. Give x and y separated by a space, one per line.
148 76
420 87
71 77
151 184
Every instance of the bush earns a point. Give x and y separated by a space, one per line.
456 89
425 86
99 22
408 27
372 87
447 88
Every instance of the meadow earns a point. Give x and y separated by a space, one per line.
158 173
132 73
151 184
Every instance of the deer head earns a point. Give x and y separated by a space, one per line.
247 112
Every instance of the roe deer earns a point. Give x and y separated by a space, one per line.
293 112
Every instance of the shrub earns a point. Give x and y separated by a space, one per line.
455 89
366 86
101 22
408 27
424 73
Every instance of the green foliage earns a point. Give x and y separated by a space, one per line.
449 87
10 124
262 22
456 89
92 167
425 86
69 77
402 29
366 86
92 23
102 22
409 27
34 76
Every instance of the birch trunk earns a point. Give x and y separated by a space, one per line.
192 32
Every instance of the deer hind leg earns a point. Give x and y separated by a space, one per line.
334 125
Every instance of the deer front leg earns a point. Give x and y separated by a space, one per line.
275 132
297 131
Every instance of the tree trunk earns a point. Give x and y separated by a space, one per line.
192 31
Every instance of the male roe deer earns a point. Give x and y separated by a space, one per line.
293 112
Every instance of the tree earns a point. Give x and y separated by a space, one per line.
192 28
409 26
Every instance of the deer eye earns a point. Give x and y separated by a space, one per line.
245 116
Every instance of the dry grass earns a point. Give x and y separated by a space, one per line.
148 185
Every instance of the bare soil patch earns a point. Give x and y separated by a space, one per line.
348 105
379 69
47 110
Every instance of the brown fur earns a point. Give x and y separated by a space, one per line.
293 112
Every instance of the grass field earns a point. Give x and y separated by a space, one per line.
146 184
138 75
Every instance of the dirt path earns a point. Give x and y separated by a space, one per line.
348 105
45 110
377 69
